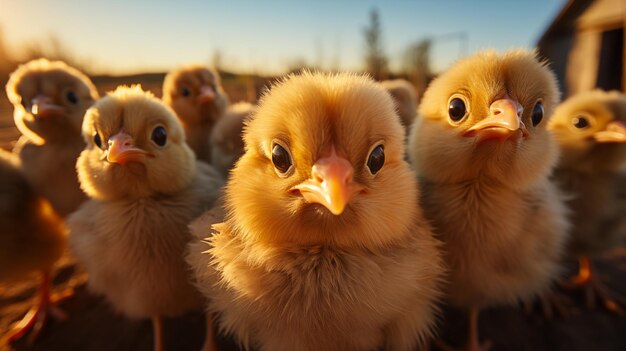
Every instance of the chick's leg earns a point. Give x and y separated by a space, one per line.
473 343
588 280
36 318
157 329
210 343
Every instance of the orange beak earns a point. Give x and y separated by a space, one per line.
207 94
122 150
42 106
331 184
615 132
503 122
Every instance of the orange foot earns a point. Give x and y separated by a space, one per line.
37 316
593 287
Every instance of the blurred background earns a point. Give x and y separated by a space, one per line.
252 42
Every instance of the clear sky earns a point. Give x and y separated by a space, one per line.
125 36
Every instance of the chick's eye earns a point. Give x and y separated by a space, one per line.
185 92
281 159
159 136
97 140
457 109
537 115
376 160
71 97
580 122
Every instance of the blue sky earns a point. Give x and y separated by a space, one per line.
266 36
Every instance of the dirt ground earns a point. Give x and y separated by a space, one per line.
94 326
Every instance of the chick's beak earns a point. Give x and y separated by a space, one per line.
504 121
206 95
122 150
331 184
615 132
43 106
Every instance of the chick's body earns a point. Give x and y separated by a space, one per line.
195 93
483 156
291 270
50 99
405 97
591 131
33 236
145 188
227 137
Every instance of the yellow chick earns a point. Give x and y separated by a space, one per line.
591 130
31 241
49 100
145 188
227 139
324 246
196 95
405 97
483 156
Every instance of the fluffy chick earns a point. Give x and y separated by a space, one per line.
405 97
324 246
145 188
195 93
227 137
32 239
591 131
483 156
49 100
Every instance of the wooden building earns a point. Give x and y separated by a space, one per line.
585 45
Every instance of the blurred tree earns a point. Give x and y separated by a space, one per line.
376 61
416 64
216 60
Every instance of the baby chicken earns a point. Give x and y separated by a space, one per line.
145 187
32 240
405 97
50 99
226 138
591 131
324 246
483 156
196 94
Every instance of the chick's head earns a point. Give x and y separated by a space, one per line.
135 148
487 116
323 165
49 99
195 93
591 130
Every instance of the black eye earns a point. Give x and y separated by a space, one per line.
281 159
457 109
185 91
159 136
97 140
376 159
537 114
71 97
580 122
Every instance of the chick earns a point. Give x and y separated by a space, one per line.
405 97
324 246
591 131
49 100
145 188
227 139
195 93
483 157
31 241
